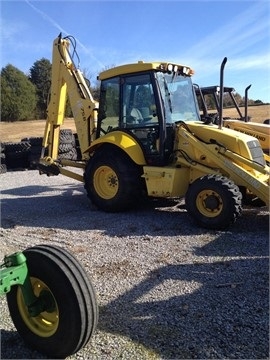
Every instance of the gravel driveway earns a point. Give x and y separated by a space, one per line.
166 288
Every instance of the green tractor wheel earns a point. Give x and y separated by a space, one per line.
214 201
70 308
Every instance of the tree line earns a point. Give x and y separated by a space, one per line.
25 97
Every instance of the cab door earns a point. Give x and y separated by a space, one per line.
142 115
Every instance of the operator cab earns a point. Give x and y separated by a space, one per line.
147 105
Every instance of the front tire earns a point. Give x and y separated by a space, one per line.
214 202
112 180
71 315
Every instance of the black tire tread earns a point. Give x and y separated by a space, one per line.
233 201
66 137
130 177
34 141
17 146
76 280
3 168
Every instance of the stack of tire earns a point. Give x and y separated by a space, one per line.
77 146
26 153
34 152
3 166
17 155
67 145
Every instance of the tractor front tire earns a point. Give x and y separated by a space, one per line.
112 180
70 320
214 202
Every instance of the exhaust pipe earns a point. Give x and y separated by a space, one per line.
221 92
246 102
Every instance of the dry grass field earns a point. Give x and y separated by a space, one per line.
15 131
257 113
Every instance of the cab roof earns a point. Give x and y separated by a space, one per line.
145 66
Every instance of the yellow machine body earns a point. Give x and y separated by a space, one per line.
163 142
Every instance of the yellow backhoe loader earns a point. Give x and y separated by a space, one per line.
145 136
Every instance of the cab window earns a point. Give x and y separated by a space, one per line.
139 106
109 109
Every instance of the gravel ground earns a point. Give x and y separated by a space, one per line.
166 289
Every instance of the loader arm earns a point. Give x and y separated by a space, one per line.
67 80
230 164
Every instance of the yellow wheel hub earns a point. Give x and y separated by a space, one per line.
46 323
106 182
209 203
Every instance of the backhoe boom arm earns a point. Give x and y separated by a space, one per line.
68 80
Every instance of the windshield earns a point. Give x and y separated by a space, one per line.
178 96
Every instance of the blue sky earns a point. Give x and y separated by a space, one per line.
109 33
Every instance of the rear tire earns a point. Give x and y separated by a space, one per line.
112 180
214 202
69 324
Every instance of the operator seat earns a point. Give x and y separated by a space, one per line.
136 115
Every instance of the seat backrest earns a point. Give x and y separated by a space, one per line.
136 114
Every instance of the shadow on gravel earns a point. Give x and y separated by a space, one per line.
225 317
67 207
70 209
13 347
209 309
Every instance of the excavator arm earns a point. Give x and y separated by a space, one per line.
67 80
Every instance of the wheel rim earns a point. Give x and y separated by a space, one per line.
46 323
209 203
106 182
